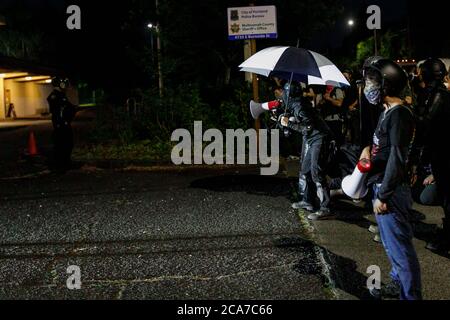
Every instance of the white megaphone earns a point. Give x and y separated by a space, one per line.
354 186
257 109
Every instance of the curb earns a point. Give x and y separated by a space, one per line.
12 128
147 165
329 275
27 176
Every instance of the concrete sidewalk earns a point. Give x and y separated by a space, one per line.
349 249
10 124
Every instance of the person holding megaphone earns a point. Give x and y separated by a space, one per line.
317 138
384 82
300 116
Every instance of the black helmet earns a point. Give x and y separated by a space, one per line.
391 77
61 83
369 62
433 70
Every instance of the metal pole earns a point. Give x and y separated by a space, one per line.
255 77
158 48
360 93
255 84
153 49
375 41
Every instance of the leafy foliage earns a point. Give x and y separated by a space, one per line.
21 45
391 46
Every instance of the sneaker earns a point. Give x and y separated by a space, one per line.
390 290
439 245
374 229
302 205
336 193
321 215
377 238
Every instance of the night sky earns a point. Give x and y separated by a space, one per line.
52 13
391 12
100 47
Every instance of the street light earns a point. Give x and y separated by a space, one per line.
155 28
351 22
151 27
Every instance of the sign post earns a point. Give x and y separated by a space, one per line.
255 85
251 23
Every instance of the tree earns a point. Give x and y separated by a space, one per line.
18 41
392 45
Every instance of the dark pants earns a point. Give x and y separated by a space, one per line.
63 146
441 172
397 237
426 195
312 172
355 129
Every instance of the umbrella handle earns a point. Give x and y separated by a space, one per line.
289 95
360 85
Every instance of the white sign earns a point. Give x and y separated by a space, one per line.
259 22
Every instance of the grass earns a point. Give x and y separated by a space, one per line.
138 151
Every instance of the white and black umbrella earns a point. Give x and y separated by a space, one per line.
297 64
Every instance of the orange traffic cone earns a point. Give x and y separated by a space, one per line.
32 148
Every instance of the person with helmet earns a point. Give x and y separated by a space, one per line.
316 141
433 115
369 116
351 109
63 113
369 113
331 106
384 82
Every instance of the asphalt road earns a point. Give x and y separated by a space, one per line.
199 234
14 137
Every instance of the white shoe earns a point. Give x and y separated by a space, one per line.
374 229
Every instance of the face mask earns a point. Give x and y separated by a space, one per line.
372 91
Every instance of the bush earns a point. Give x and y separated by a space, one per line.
142 128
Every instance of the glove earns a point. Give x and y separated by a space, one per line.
284 121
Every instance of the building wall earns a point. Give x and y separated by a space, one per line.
2 100
30 99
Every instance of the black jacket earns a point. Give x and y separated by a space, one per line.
390 152
63 112
435 122
307 120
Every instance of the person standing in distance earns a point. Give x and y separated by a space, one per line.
63 112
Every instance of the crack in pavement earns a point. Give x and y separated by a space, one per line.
125 282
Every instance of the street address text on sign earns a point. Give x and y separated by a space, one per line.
258 22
